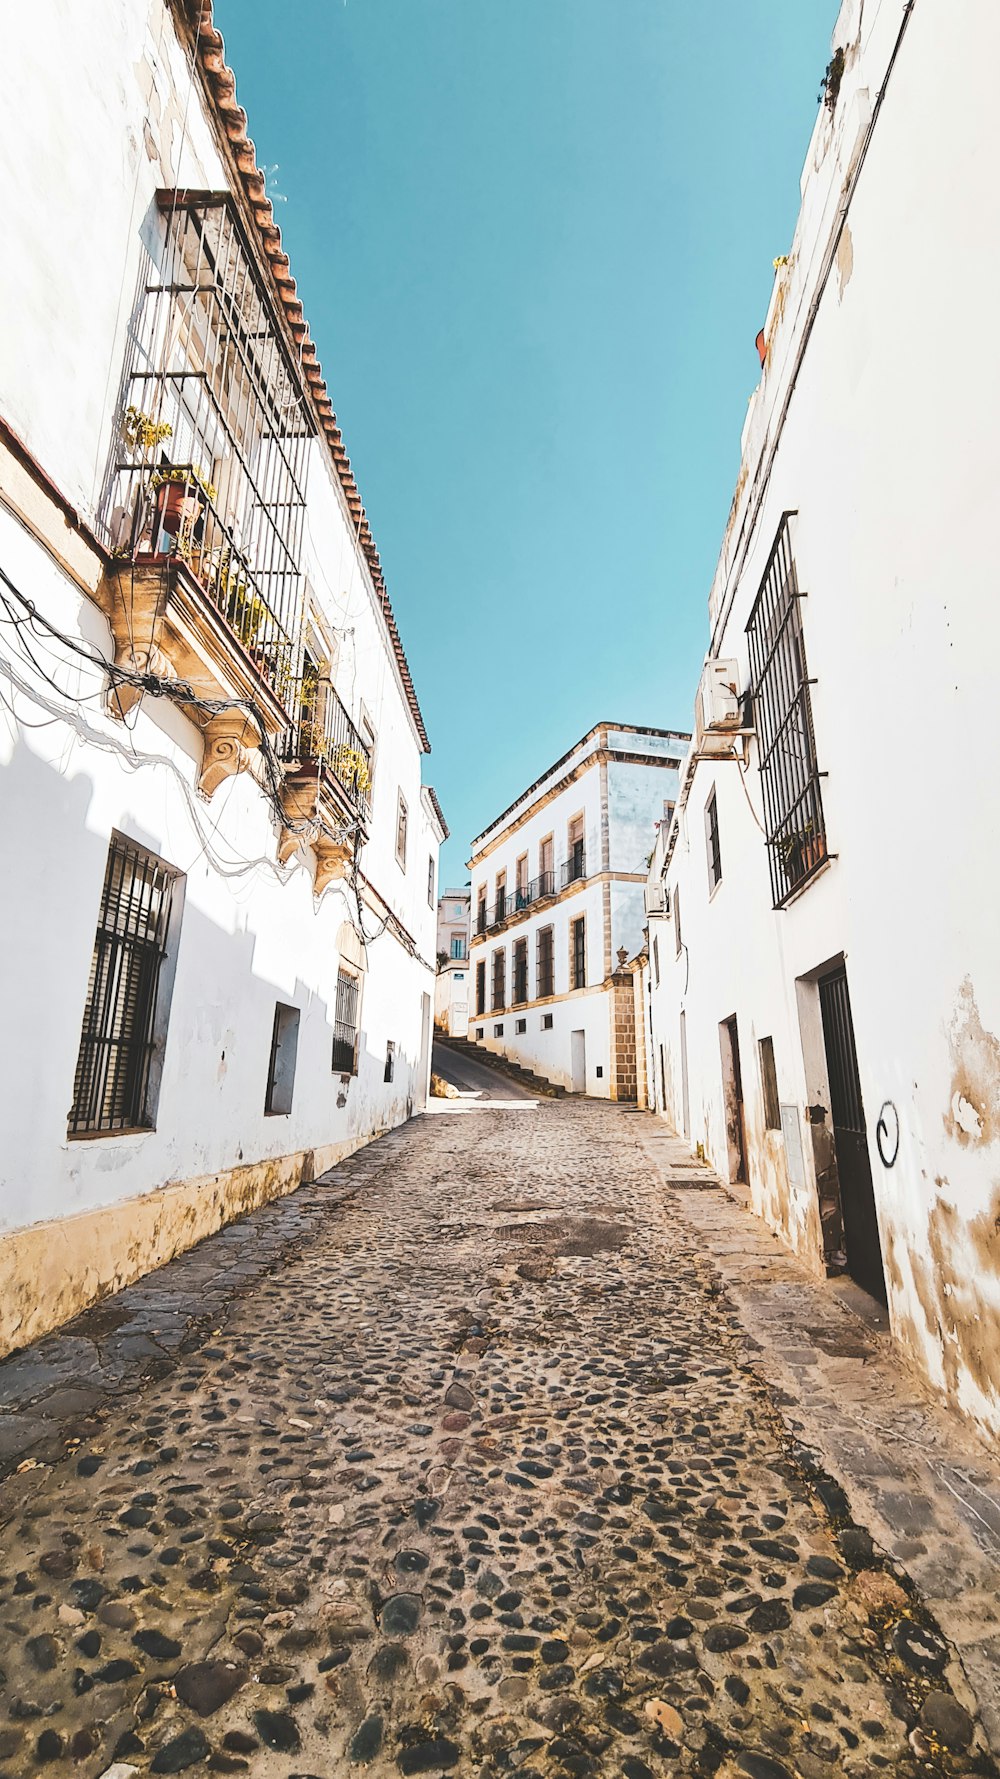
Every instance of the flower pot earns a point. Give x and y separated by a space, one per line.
178 504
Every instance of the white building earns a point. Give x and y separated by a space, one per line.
218 901
453 924
557 896
824 978
451 998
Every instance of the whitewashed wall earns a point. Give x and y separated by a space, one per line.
101 113
890 456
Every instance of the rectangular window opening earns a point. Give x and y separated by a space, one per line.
578 953
402 819
128 994
769 1082
779 682
481 989
712 841
546 1022
544 961
345 1023
281 1068
390 1061
499 1000
520 1025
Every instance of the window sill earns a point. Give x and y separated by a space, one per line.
101 1136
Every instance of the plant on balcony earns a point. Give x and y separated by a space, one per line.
800 851
179 497
829 91
350 766
142 433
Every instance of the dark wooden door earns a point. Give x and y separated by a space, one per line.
732 1086
847 1113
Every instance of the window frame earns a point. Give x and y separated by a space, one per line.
498 979
578 952
712 845
339 1064
402 830
481 988
769 1083
548 933
117 953
519 972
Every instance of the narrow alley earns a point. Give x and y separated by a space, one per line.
454 1461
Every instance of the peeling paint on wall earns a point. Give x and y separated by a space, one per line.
974 1107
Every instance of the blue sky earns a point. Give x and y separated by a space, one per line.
534 240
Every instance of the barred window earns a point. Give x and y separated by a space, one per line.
793 808
578 953
499 981
520 982
481 988
544 954
111 1086
345 1024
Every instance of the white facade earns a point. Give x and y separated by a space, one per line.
268 908
572 848
453 924
875 427
451 999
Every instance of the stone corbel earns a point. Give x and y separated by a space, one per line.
333 861
231 739
134 613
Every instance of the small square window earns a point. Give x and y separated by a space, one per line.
546 1022
479 1031
520 1025
281 1069
390 1061
498 1031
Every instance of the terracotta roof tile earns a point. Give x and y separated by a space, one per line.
220 84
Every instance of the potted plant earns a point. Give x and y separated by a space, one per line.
351 767
801 851
180 494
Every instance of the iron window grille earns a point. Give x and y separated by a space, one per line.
574 867
212 444
499 1000
481 916
520 972
544 961
793 807
110 1088
500 911
480 989
712 841
578 959
345 1024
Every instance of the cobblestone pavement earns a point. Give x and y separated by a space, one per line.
473 1480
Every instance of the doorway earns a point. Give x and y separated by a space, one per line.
847 1116
732 1092
578 1060
685 1098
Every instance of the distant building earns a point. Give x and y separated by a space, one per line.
453 925
451 998
557 891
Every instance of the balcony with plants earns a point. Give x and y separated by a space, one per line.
204 500
328 776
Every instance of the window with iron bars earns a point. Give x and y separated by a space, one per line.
212 443
793 808
712 841
578 953
520 972
111 1086
499 1000
544 961
480 988
345 1024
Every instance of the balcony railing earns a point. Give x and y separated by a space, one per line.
174 517
323 740
574 868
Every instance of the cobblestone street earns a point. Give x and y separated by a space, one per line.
471 1477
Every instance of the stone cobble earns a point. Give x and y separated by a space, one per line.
474 1481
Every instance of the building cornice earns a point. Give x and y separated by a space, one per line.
606 755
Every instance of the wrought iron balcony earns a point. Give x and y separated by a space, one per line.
574 868
323 743
542 886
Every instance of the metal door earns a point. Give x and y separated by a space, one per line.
847 1114
578 1060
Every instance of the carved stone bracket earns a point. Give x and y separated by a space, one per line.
231 739
333 861
134 609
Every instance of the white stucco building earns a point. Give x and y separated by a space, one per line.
451 998
557 895
824 976
453 924
219 894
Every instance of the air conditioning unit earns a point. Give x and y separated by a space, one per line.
720 705
656 898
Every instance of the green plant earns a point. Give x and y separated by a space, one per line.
141 432
829 90
351 767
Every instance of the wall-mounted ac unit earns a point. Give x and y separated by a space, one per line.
720 705
656 898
